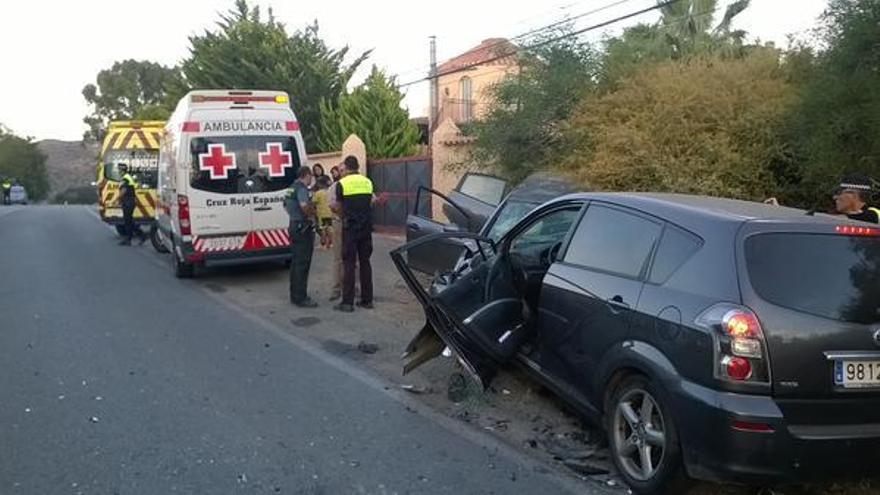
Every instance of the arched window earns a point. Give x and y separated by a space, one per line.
467 99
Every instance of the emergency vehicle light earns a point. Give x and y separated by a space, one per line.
239 98
190 127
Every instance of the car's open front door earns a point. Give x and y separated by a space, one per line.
475 311
425 220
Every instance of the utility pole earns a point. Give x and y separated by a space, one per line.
435 91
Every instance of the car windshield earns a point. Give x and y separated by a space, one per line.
243 164
142 164
511 212
832 276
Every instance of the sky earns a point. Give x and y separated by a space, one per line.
52 49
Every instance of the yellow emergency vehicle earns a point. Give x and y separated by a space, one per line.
135 144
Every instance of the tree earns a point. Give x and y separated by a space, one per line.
636 47
684 30
835 127
21 159
520 132
131 89
705 125
373 112
247 52
688 24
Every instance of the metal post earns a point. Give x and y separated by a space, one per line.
435 91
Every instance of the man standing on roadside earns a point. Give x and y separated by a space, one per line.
128 202
354 203
299 206
7 188
851 199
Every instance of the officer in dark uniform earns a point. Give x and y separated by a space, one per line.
354 201
299 206
127 188
852 196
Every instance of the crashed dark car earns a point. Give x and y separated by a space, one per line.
480 203
712 339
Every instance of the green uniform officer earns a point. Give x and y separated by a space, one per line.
299 206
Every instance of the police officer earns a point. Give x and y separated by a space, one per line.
7 187
354 201
127 188
851 199
299 206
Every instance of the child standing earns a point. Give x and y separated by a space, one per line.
322 211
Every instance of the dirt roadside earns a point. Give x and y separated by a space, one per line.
515 409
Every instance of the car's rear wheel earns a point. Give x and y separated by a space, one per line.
182 269
643 439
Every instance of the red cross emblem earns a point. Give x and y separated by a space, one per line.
217 161
276 159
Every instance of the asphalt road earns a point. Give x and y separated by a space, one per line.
117 378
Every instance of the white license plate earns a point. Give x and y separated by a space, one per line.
857 374
222 243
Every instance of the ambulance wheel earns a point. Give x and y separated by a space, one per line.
182 269
156 239
120 229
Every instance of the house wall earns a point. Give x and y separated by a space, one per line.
450 156
482 78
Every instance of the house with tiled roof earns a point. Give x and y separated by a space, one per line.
463 80
463 84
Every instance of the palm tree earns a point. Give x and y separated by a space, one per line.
688 23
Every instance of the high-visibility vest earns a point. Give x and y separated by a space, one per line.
356 184
7 185
128 179
875 210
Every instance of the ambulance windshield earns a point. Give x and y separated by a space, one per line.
142 164
243 164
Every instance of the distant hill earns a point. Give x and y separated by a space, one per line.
70 164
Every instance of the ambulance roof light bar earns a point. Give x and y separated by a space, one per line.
240 98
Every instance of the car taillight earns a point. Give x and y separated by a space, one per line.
855 230
740 350
737 368
183 215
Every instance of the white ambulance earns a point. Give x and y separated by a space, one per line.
226 159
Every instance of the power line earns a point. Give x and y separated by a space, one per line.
573 18
533 31
546 42
665 27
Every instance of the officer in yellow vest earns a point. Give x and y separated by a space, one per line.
128 200
7 187
851 199
354 203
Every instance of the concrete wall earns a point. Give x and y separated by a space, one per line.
353 145
451 159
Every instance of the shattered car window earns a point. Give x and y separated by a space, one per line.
511 213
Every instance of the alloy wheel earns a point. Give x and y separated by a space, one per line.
639 434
